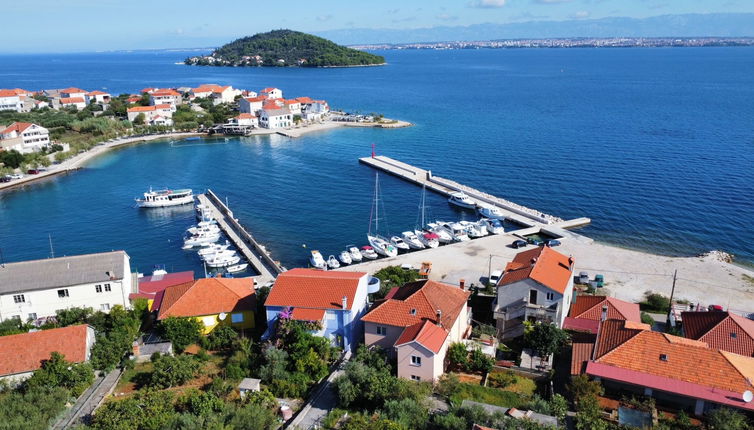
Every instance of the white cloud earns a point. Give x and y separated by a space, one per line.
581 14
323 18
487 3
550 1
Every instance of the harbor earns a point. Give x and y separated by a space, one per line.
252 251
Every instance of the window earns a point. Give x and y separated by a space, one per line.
98 288
63 293
663 357
733 335
381 330
550 296
236 318
413 312
16 317
19 298
32 316
105 306
533 297
107 287
415 378
416 360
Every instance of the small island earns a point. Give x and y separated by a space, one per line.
285 48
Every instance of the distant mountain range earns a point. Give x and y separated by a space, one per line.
688 25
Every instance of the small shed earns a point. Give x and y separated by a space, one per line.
248 385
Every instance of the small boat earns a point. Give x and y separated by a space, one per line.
345 257
398 242
460 199
200 239
491 212
223 261
494 225
237 268
473 230
368 252
164 198
382 246
443 234
355 253
457 231
211 248
203 229
332 262
429 239
317 261
223 253
412 240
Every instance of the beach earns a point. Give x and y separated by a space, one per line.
629 274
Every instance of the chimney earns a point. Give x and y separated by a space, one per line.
345 302
439 317
462 283
604 313
135 349
534 260
570 260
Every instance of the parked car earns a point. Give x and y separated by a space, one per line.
534 241
495 277
552 242
715 308
5 178
519 243
16 176
33 171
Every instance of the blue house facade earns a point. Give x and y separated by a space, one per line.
335 300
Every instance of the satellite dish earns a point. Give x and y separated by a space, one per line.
748 396
222 316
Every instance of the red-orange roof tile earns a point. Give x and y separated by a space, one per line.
721 330
209 296
73 90
24 352
544 265
246 116
315 289
426 334
71 100
305 314
18 127
8 93
98 93
141 109
590 307
417 301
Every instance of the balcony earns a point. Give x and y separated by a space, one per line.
524 310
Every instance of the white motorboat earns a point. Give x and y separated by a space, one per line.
398 242
223 253
200 239
164 198
237 268
473 229
345 257
412 240
223 261
429 239
457 231
491 212
317 261
460 199
211 248
368 252
382 246
203 229
443 234
494 225
355 253
332 262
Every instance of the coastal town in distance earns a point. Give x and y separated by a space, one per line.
259 285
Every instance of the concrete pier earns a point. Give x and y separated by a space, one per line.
254 252
522 215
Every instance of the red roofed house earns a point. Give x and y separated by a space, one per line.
251 104
77 102
586 312
164 97
416 323
219 94
720 330
244 119
150 286
73 92
272 93
153 115
536 286
11 100
22 354
211 301
335 299
273 117
294 106
677 372
24 137
98 97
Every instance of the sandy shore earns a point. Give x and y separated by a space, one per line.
628 274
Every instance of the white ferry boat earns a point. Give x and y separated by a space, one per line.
163 198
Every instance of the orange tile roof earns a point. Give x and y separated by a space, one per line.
544 265
209 296
582 345
18 127
590 307
24 352
8 93
73 90
304 314
141 109
165 92
71 100
98 93
246 116
147 90
256 99
721 330
693 362
417 301
304 100
314 289
268 90
291 102
426 334
209 88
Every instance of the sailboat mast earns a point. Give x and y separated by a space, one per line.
424 196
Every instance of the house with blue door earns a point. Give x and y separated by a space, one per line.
334 300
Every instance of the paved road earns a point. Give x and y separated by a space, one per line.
321 403
89 401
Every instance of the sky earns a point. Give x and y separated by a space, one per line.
32 26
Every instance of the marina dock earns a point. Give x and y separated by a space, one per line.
253 251
531 219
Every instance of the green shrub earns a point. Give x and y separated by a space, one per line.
182 332
501 379
647 319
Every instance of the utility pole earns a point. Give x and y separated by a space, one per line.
672 293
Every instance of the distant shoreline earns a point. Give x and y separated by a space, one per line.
286 67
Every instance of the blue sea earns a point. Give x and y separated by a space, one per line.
656 146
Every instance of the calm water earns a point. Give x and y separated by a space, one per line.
655 145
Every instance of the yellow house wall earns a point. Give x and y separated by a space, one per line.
211 322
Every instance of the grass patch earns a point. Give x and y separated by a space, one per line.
509 381
133 379
492 396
